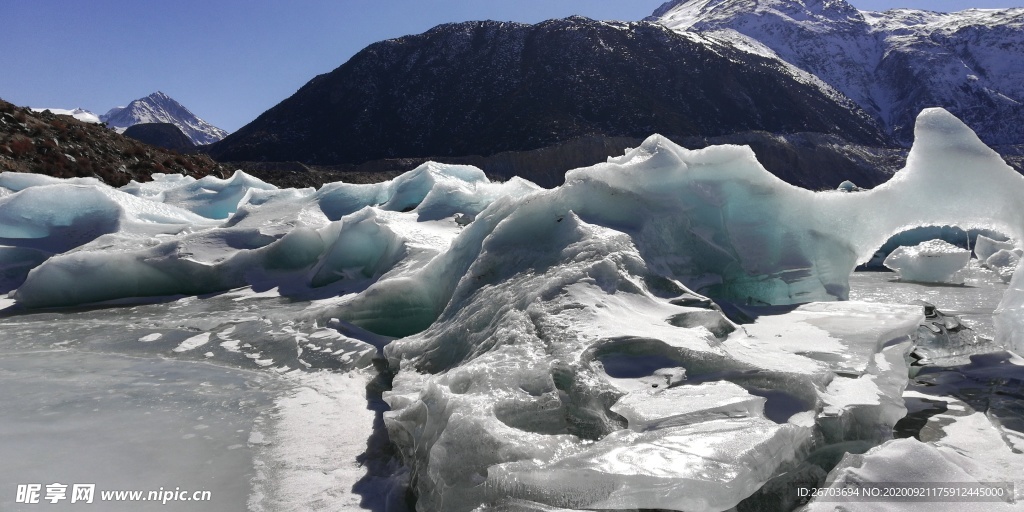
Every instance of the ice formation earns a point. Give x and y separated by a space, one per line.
915 236
210 197
985 247
901 463
1004 263
177 235
713 219
1001 257
1009 318
934 261
546 336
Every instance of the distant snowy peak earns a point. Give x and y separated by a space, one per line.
685 13
78 113
111 113
894 20
893 63
161 108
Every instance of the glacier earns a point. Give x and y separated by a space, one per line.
680 208
670 329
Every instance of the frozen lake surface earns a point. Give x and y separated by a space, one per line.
973 302
157 396
129 423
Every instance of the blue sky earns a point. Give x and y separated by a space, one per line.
230 60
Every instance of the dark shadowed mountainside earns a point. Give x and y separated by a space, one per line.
164 135
483 88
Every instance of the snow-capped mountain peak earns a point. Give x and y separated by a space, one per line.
893 63
161 108
688 12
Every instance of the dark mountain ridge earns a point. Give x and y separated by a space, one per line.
164 135
481 88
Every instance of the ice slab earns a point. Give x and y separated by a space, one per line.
914 236
62 216
984 247
833 337
944 339
651 409
988 384
1009 316
934 261
868 406
359 247
906 462
296 472
984 450
708 466
18 181
1004 262
853 352
433 190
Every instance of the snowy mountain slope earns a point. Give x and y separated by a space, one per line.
892 64
112 112
971 62
161 108
77 113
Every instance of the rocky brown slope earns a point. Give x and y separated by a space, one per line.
64 147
